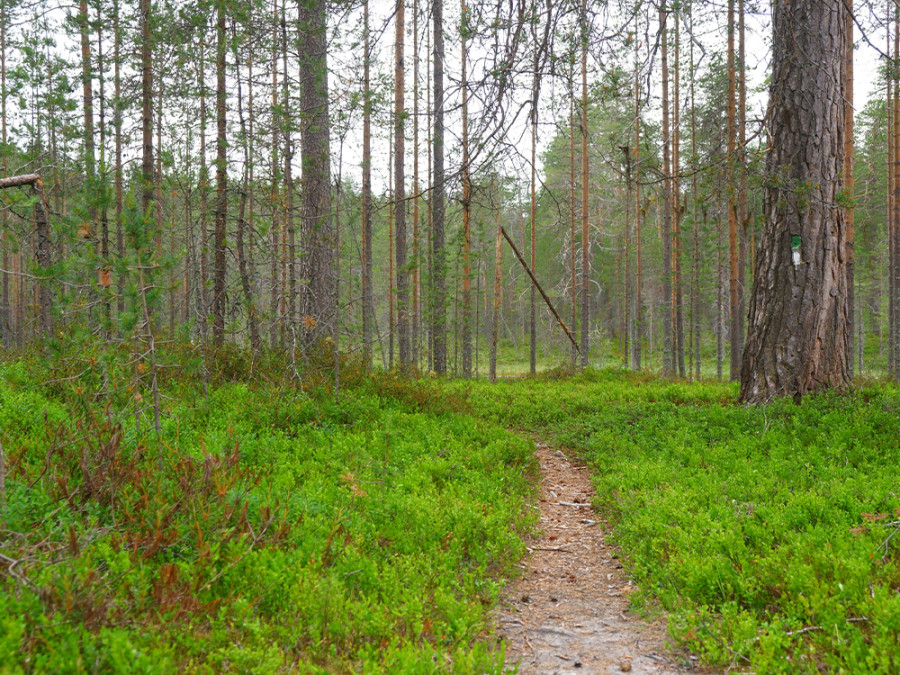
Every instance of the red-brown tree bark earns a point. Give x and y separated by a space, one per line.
798 340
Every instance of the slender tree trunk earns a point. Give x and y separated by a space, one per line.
7 327
368 303
438 275
103 276
466 205
695 272
289 234
678 209
734 278
743 213
147 109
274 276
573 284
392 252
218 307
203 295
585 208
242 223
666 233
637 340
400 185
43 257
798 341
416 263
498 261
849 182
532 306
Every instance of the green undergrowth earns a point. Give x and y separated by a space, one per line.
269 528
766 532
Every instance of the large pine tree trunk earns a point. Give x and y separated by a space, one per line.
318 235
400 185
798 340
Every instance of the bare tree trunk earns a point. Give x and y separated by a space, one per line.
400 185
734 278
466 205
498 259
289 234
637 339
218 304
666 233
243 224
585 209
678 209
532 322
117 125
573 284
695 272
203 295
849 183
42 255
416 269
368 303
798 341
7 328
438 275
743 214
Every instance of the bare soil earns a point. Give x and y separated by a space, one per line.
569 613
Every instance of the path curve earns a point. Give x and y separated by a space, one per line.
568 613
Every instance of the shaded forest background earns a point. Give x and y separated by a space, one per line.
206 177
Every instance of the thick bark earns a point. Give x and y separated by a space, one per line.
798 340
318 232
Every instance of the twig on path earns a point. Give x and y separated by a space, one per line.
572 504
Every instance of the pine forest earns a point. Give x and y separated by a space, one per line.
398 336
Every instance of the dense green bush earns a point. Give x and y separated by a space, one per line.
269 527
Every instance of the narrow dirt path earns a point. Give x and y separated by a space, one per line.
568 613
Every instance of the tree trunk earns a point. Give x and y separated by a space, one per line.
666 233
438 274
585 208
466 205
318 235
736 328
218 304
400 185
798 340
849 183
368 303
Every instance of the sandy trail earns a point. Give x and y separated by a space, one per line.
568 613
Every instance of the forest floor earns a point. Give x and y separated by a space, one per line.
568 613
